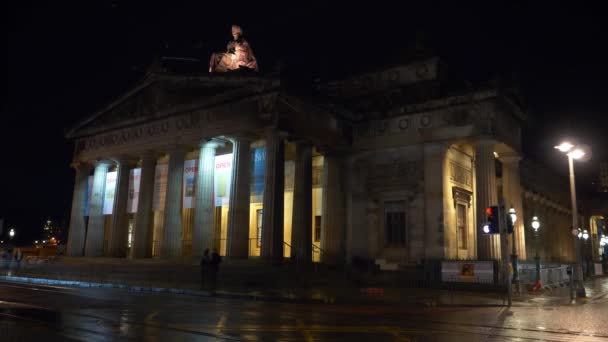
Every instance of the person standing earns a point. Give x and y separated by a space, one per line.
214 267
205 265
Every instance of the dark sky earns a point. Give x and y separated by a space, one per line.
61 61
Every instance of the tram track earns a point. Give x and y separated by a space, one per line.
66 313
413 327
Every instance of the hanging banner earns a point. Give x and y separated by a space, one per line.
258 167
88 197
133 199
221 179
190 171
160 187
108 198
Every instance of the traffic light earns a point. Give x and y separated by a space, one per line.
492 225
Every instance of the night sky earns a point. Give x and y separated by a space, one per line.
61 62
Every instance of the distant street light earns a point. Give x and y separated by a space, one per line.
11 233
536 226
575 152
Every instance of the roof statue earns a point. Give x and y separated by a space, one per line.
238 55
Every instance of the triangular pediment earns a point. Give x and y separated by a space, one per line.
165 95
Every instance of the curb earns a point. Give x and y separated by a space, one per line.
199 293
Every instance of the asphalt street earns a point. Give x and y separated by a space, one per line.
50 313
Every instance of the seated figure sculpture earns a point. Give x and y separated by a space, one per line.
238 55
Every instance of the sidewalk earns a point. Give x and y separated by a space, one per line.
596 289
270 284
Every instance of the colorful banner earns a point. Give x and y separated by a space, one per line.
108 198
258 167
222 178
88 197
134 182
190 171
160 187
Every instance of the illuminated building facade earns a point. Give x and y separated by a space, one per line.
381 165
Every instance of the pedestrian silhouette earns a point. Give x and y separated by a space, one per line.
214 267
205 265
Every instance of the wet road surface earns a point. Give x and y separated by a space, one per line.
49 313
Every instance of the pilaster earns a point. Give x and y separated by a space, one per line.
511 192
274 179
488 246
301 231
95 231
142 237
77 221
203 232
332 221
171 246
237 244
117 242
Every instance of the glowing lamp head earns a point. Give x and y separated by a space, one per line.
535 223
564 147
577 153
512 214
585 234
11 233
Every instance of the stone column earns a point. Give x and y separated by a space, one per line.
356 176
142 239
511 192
332 221
172 237
95 231
301 227
488 246
203 232
237 244
434 162
274 192
77 222
117 241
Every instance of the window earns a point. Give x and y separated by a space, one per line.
461 225
317 176
394 223
258 216
317 236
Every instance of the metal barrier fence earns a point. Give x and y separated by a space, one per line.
550 275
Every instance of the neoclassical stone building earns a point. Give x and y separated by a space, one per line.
384 165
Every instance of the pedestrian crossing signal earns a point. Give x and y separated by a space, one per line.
492 225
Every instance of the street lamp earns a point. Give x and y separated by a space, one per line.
575 152
11 233
536 226
513 217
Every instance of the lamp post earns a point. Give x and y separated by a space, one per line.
11 233
574 152
583 235
513 217
603 243
536 226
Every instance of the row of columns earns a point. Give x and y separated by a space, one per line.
203 231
